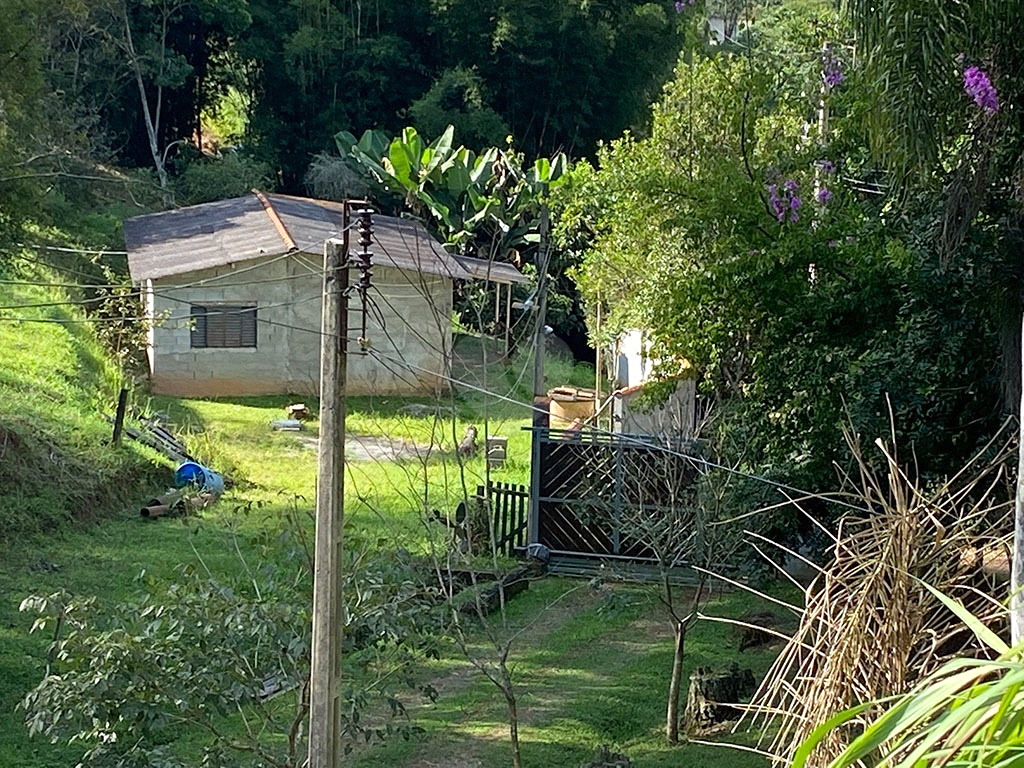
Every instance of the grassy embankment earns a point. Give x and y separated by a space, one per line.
56 384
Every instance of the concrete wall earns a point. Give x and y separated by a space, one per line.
674 418
632 369
410 334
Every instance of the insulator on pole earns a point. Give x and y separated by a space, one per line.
364 262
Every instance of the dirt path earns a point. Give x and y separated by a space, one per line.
373 448
451 748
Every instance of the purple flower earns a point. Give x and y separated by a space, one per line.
824 195
978 86
784 200
775 201
680 5
834 77
794 216
831 68
827 167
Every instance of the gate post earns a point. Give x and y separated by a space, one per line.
533 523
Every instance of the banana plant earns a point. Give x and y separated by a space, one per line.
479 201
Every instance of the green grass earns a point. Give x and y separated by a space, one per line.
56 384
587 674
385 499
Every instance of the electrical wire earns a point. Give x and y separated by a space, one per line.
630 439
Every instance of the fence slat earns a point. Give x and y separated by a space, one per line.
504 518
510 509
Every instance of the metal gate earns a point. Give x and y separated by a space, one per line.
585 486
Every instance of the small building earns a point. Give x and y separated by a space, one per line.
633 370
233 290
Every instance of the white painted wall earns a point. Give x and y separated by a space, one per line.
674 418
412 332
633 369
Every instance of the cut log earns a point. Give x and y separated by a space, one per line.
182 501
510 585
714 694
297 411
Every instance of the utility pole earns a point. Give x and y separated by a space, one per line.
328 608
539 415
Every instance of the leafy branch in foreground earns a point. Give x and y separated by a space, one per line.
224 660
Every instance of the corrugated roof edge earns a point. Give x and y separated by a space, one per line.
495 271
447 264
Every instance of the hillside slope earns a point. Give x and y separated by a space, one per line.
56 384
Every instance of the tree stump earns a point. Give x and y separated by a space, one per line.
608 759
712 695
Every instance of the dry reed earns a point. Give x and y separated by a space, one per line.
870 628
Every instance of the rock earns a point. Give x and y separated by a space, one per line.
754 636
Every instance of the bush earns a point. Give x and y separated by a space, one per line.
205 179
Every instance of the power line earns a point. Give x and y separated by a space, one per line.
82 251
383 359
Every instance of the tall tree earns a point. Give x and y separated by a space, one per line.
947 112
777 264
564 74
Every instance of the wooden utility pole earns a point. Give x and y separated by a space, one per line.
328 608
542 305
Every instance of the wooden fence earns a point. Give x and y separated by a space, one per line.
509 513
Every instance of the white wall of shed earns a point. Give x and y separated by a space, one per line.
674 418
632 367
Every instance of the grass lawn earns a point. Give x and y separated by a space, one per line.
591 669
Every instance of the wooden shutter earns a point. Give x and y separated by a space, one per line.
216 335
247 327
225 326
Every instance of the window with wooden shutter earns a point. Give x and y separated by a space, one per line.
223 326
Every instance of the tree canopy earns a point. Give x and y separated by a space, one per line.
755 237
